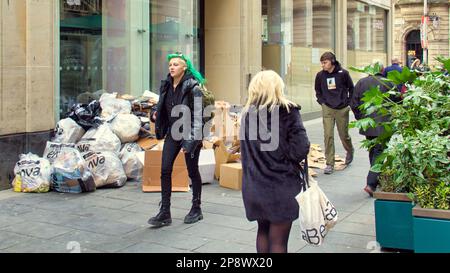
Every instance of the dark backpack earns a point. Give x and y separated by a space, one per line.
208 99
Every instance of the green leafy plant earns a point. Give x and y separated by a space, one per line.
430 196
416 139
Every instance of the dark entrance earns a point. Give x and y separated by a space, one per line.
413 47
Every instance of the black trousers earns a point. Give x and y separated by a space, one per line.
374 153
170 152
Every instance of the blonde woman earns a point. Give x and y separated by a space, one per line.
271 173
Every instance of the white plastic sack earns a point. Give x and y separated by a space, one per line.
106 169
33 174
99 139
53 149
132 165
70 173
126 127
68 131
112 106
317 214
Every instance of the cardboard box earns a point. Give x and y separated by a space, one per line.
225 125
151 181
223 156
231 177
148 143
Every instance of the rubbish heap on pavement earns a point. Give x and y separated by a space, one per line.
108 142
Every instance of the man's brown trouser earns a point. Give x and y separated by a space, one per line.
341 118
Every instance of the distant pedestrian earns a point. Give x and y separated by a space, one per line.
416 64
271 177
394 67
363 85
334 89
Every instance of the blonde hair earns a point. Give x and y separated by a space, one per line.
266 90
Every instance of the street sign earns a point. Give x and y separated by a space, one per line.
424 32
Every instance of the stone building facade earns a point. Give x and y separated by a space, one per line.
407 24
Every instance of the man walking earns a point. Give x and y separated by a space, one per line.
364 85
334 89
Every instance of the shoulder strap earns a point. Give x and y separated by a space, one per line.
304 169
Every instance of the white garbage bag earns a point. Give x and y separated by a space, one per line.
106 169
53 149
126 127
99 140
33 174
112 106
132 165
68 131
317 214
70 173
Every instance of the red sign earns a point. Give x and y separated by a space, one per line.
424 32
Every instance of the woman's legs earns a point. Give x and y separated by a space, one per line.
279 237
262 239
195 214
170 152
273 238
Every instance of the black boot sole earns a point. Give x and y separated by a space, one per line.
158 224
193 220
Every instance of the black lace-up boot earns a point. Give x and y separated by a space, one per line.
163 218
195 214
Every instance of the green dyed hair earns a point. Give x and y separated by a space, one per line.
190 67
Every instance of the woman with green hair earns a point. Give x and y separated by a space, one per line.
181 89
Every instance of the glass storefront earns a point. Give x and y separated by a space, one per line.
295 34
121 45
175 27
366 35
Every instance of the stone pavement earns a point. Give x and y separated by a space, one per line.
116 220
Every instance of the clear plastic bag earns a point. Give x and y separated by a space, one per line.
106 169
70 173
33 174
100 139
52 150
68 131
126 127
111 106
131 163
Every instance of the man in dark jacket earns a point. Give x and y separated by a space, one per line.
364 85
334 88
394 67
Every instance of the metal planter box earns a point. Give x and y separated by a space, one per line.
394 221
431 230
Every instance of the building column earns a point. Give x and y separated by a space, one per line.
341 31
233 47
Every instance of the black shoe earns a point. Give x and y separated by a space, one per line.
194 215
162 219
349 158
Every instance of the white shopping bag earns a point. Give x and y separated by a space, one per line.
317 214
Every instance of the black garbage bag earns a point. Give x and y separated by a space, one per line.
86 115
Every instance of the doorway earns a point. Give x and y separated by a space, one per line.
414 48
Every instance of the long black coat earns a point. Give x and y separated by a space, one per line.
271 179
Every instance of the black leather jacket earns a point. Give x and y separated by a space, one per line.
191 93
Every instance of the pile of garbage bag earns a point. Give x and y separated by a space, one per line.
94 147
